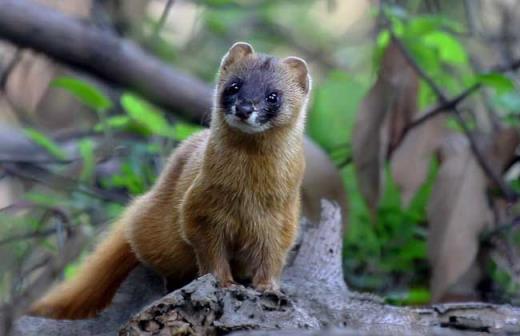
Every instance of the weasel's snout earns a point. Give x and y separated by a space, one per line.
243 110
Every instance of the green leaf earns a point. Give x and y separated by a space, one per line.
383 39
146 115
391 197
84 92
414 296
184 130
498 81
46 199
425 57
47 143
71 270
86 149
450 49
423 25
413 250
116 122
218 3
426 24
332 117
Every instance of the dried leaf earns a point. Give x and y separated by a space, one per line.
503 148
457 213
411 160
384 113
7 114
28 83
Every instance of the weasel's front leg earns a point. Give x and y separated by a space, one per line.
210 250
214 260
267 275
270 258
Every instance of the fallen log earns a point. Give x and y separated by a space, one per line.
314 298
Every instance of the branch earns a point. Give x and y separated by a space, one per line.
453 102
70 41
55 266
514 65
501 229
505 190
46 177
162 19
38 233
436 110
411 61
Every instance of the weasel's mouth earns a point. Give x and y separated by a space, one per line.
247 125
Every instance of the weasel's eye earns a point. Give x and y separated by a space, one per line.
234 87
272 98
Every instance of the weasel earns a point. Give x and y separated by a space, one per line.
226 203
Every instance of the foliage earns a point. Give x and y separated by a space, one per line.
84 92
381 249
385 248
47 143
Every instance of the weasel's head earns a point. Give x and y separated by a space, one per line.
257 92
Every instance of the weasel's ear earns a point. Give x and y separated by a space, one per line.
237 51
300 71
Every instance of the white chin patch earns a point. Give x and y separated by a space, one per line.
249 125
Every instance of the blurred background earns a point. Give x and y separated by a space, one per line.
415 102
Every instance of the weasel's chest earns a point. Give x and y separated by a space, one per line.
245 200
234 209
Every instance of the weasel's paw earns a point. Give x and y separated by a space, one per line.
267 287
227 283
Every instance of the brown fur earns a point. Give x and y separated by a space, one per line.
227 203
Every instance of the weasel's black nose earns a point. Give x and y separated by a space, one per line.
244 110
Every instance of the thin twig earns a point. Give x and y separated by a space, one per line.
487 236
27 236
37 160
455 101
514 65
162 20
417 68
70 184
55 266
53 211
436 110
507 192
345 162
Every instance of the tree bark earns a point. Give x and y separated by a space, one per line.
314 298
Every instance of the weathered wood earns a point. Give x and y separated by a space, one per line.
314 298
141 288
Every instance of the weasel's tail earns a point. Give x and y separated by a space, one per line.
96 282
